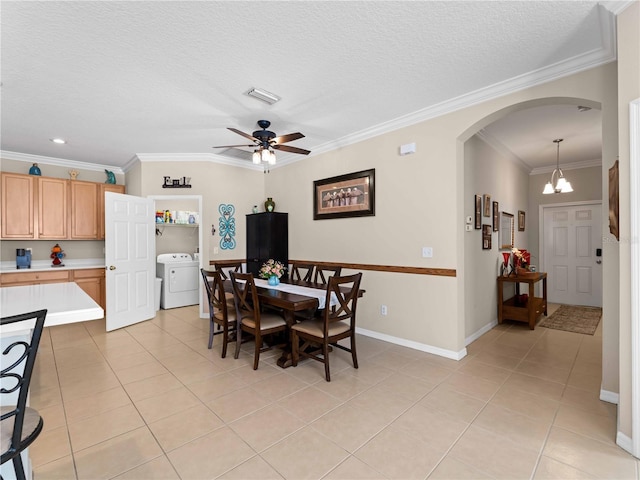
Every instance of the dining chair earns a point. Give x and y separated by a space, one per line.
334 325
302 271
222 310
19 425
323 273
225 267
250 319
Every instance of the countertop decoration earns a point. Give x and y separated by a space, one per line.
57 254
35 170
227 226
111 178
269 205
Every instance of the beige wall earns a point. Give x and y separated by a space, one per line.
628 90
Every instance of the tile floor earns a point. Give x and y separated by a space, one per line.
152 402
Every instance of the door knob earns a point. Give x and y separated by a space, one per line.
112 267
598 261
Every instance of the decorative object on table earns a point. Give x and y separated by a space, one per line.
57 255
496 217
350 195
183 182
486 237
521 218
111 178
486 198
73 174
269 205
35 170
477 210
576 319
255 209
227 226
272 270
562 185
614 201
521 260
504 268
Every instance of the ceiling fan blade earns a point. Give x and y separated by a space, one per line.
287 148
246 135
287 138
234 146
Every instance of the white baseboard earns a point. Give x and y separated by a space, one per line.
624 442
473 337
610 397
414 345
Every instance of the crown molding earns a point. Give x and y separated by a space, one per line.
568 166
197 157
59 162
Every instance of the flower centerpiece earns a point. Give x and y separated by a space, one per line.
272 270
521 259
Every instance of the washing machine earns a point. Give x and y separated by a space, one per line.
180 279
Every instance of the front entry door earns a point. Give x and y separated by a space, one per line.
572 239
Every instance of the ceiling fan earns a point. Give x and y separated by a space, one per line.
265 142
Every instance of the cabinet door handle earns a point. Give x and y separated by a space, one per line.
112 267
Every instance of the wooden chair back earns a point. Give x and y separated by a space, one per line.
226 267
347 301
323 273
219 312
302 271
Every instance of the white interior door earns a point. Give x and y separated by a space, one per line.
130 257
572 237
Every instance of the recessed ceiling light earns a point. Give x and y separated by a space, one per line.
263 95
60 141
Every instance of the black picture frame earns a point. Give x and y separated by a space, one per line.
478 211
496 217
486 236
521 220
487 205
333 197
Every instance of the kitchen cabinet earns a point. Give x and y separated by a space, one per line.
84 210
105 187
53 208
267 237
92 281
33 278
18 193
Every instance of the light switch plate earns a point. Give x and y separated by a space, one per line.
427 252
467 228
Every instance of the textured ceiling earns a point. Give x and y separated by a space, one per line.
117 79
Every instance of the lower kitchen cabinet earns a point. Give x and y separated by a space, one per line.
33 278
92 281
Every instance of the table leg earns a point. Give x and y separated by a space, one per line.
531 307
286 359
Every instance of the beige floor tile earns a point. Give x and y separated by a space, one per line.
586 379
238 403
538 408
406 386
426 371
214 387
497 359
458 405
318 456
210 456
377 401
473 386
483 370
452 469
176 430
516 428
152 386
550 469
168 403
89 386
349 427
586 454
50 445
587 400
274 424
53 417
370 372
557 374
398 455
90 431
598 427
141 372
536 386
88 406
117 455
253 469
308 404
45 397
354 469
61 469
390 359
507 350
197 372
130 360
157 469
494 454
277 386
343 386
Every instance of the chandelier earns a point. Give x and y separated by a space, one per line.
264 154
562 185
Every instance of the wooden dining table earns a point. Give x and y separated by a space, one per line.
289 303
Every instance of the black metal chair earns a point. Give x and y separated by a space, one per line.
334 325
19 425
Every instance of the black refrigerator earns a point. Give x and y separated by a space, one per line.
267 237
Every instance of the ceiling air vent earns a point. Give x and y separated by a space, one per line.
263 95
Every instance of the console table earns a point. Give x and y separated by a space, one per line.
518 308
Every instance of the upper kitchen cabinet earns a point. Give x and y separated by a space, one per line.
84 210
105 187
18 193
53 208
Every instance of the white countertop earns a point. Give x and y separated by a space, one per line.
65 303
45 265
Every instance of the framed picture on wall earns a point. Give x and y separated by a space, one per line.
520 221
496 217
350 195
487 205
486 237
478 211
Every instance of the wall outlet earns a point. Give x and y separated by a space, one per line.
383 309
427 252
215 250
468 228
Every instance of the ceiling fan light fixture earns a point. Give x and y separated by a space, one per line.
272 157
256 157
263 95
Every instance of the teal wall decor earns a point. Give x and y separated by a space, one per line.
227 226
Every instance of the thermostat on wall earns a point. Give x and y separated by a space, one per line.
407 148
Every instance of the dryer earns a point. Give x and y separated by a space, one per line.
180 279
